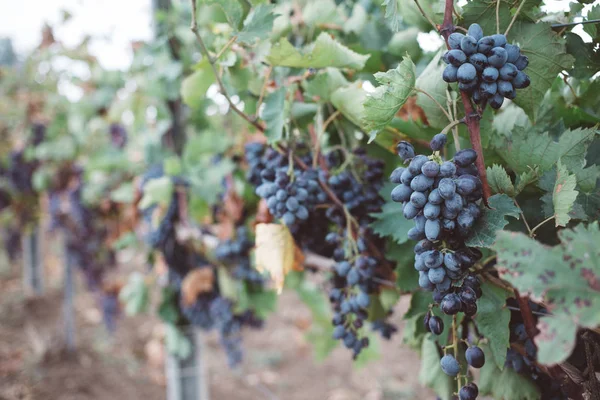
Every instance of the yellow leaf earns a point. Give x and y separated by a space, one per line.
276 252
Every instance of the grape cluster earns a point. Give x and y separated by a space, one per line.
441 197
487 67
291 193
358 188
236 252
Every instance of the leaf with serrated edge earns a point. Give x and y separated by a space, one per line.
525 179
232 8
430 81
396 86
499 180
587 178
324 52
504 384
528 148
566 276
492 220
492 320
563 195
273 115
258 24
349 101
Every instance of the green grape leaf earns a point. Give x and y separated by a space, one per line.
499 180
390 221
322 12
258 24
526 178
168 310
391 14
412 16
321 87
587 58
492 220
195 85
430 81
157 191
484 13
356 23
232 8
563 195
407 278
324 52
587 178
566 276
176 342
527 149
135 294
274 115
547 58
349 101
396 86
492 321
504 383
431 374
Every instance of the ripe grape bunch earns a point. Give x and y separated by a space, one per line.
442 198
291 193
487 67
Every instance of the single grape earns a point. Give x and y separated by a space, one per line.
470 309
433 229
445 285
423 246
435 197
446 188
418 199
485 44
450 74
424 281
436 325
436 275
468 87
497 57
466 73
409 211
506 89
419 263
339 332
465 157
433 259
521 63
454 40
401 193
396 174
449 365
342 268
421 183
479 61
447 169
488 90
431 211
475 357
496 101
430 169
406 177
468 392
438 142
451 262
513 52
521 81
475 31
451 304
467 295
363 300
499 40
405 150
508 71
456 57
468 45
490 74
465 185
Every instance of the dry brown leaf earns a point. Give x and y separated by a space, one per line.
263 216
411 111
196 282
276 252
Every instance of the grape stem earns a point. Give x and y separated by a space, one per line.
514 18
471 117
526 314
437 103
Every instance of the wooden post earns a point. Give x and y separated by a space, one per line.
68 304
33 269
187 379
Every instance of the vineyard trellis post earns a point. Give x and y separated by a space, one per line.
68 301
33 267
187 378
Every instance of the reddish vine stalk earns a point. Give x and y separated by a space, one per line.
471 116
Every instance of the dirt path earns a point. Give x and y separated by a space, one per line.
278 360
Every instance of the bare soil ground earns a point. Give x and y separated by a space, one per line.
279 363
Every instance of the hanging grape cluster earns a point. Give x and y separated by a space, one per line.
487 67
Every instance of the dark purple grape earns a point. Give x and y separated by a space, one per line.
508 72
466 73
521 63
490 74
496 101
475 357
426 321
465 157
438 142
450 366
454 40
418 199
430 169
450 74
467 295
521 81
499 40
468 45
479 61
405 150
475 31
447 169
436 325
456 57
468 392
485 44
451 304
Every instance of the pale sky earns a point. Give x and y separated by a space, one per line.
113 24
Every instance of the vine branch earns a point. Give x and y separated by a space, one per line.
514 18
471 117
